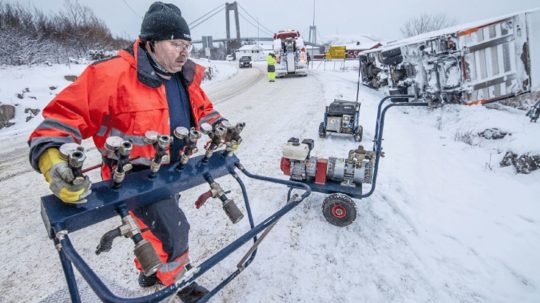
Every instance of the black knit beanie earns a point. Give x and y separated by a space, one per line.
164 21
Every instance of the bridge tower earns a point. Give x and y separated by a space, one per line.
313 28
313 34
232 44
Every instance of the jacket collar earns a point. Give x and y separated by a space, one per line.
146 73
188 70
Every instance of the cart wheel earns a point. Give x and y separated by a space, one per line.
322 131
358 134
339 209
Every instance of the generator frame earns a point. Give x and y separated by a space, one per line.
336 111
338 208
334 116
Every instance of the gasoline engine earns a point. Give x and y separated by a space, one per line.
352 171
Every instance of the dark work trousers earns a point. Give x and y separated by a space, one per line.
166 226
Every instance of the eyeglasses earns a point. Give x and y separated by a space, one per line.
181 46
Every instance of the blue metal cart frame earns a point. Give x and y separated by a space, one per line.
137 190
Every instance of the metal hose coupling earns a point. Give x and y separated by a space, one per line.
74 155
147 256
231 210
160 143
233 139
216 191
120 150
217 138
189 139
144 251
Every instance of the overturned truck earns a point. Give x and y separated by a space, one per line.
476 63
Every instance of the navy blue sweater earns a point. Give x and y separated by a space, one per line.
179 110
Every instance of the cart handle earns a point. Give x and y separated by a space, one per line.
377 144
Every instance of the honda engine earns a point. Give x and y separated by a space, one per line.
352 171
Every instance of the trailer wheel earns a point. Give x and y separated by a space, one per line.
339 209
359 133
322 130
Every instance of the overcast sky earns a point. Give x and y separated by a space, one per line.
380 18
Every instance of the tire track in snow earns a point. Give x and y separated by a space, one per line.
236 85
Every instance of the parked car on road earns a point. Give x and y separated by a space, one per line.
245 61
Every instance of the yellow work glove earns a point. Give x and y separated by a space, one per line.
60 178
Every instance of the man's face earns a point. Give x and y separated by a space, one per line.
172 54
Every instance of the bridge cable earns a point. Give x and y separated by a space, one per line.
132 10
209 12
206 19
248 21
255 19
261 26
254 25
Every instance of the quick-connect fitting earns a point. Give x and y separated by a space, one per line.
74 155
160 143
120 150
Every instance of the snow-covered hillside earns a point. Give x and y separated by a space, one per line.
445 224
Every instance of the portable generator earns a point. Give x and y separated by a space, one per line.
337 176
352 171
342 117
342 179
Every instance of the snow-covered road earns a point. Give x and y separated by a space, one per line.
445 223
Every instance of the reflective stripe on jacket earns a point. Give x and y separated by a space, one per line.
121 96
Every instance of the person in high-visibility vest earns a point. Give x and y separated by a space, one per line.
271 60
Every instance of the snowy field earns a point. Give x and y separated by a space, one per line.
445 224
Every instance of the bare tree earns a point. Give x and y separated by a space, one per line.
29 36
426 23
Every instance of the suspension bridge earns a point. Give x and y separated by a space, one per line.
239 12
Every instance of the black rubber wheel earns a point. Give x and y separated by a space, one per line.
339 210
322 131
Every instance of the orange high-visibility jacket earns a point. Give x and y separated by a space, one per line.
121 96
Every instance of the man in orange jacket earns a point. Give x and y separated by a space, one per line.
152 85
